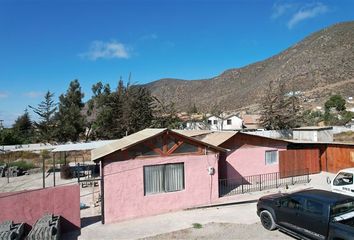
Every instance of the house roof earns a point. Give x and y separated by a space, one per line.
312 128
81 146
137 138
250 119
322 143
217 138
192 133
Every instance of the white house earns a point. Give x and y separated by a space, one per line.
231 122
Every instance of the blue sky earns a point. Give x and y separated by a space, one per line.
46 44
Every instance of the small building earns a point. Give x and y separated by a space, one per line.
220 123
251 121
155 171
314 134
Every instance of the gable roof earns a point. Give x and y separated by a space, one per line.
192 133
138 137
217 138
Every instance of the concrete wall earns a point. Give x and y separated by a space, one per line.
29 206
124 186
280 134
314 135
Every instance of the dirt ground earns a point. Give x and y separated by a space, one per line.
224 231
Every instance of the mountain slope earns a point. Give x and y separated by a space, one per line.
321 64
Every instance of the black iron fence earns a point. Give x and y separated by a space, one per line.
245 184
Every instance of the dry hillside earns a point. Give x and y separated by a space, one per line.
321 64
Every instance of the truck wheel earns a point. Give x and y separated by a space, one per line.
267 220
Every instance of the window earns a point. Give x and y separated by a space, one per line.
215 122
292 202
163 178
229 121
314 207
271 157
209 122
343 178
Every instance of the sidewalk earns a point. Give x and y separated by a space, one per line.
234 209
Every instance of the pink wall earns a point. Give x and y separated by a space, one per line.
124 187
28 206
250 160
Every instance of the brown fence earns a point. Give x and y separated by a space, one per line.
295 160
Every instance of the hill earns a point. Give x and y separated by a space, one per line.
319 65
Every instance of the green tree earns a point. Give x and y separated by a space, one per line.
335 101
46 111
23 129
70 121
126 110
8 137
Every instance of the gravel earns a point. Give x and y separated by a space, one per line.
224 231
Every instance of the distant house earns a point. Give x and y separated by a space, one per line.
155 171
220 123
251 121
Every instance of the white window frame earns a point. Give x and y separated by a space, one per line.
271 161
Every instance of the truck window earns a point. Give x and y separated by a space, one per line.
292 202
343 178
342 208
314 207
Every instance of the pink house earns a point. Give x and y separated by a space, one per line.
159 170
155 171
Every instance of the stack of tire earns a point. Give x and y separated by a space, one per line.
46 228
11 231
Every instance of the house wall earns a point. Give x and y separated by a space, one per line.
217 126
247 156
236 123
124 186
314 135
29 206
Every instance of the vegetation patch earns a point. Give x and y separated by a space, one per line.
23 165
197 225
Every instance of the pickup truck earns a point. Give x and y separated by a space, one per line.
309 214
343 182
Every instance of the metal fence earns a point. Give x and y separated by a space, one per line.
245 184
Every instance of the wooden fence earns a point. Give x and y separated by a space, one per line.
292 161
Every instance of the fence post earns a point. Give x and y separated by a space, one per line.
276 180
260 182
308 175
292 180
78 173
242 184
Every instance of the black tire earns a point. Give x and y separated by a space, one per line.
267 220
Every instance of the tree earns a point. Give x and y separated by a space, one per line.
126 110
70 121
46 111
279 110
165 115
23 129
335 101
335 111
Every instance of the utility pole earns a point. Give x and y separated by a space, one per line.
43 162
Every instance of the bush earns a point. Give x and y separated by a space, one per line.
65 172
197 225
22 164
